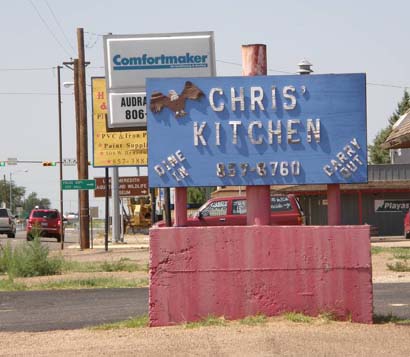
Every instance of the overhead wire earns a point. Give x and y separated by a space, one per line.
59 25
386 85
48 28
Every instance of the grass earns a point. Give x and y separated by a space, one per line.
11 285
297 317
327 316
390 318
378 250
135 322
124 264
402 254
207 321
65 284
254 320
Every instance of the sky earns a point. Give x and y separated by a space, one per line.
37 35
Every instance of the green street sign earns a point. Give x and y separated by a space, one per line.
78 185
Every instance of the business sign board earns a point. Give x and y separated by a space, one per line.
129 186
130 59
114 148
391 205
258 130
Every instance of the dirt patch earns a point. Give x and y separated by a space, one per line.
382 274
275 338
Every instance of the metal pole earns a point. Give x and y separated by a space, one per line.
254 63
11 205
107 212
91 232
60 141
115 205
5 190
167 206
153 213
83 167
121 221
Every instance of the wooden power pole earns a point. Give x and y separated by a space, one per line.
83 143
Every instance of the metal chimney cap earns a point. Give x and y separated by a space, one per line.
304 67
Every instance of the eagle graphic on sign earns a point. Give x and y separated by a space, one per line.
173 101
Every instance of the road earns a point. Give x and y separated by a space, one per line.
71 309
71 236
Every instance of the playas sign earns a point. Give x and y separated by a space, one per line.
257 130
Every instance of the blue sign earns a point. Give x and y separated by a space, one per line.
262 130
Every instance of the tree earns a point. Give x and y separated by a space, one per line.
17 194
376 153
32 201
198 194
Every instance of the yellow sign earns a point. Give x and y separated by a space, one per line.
114 148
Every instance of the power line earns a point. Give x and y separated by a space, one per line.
59 25
35 93
49 29
387 85
269 69
26 69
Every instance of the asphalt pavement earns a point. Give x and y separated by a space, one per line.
71 309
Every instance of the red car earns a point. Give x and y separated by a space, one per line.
231 211
407 225
44 223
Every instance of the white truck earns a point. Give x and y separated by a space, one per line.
7 223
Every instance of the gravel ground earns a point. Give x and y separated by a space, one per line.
277 337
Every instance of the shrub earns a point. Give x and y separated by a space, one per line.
29 259
399 266
6 255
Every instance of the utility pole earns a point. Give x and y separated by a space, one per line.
83 143
60 147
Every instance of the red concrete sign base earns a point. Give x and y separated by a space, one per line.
242 271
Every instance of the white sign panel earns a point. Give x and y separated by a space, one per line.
69 162
130 59
12 161
128 109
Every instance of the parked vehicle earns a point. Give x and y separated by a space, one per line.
231 211
7 223
44 223
407 225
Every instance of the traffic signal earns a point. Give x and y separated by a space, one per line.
2 163
49 163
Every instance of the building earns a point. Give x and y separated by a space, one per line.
380 203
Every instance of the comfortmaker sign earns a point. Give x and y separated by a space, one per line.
260 130
130 59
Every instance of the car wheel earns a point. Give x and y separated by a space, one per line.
11 235
29 237
407 235
58 238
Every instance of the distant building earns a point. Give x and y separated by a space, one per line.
381 202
